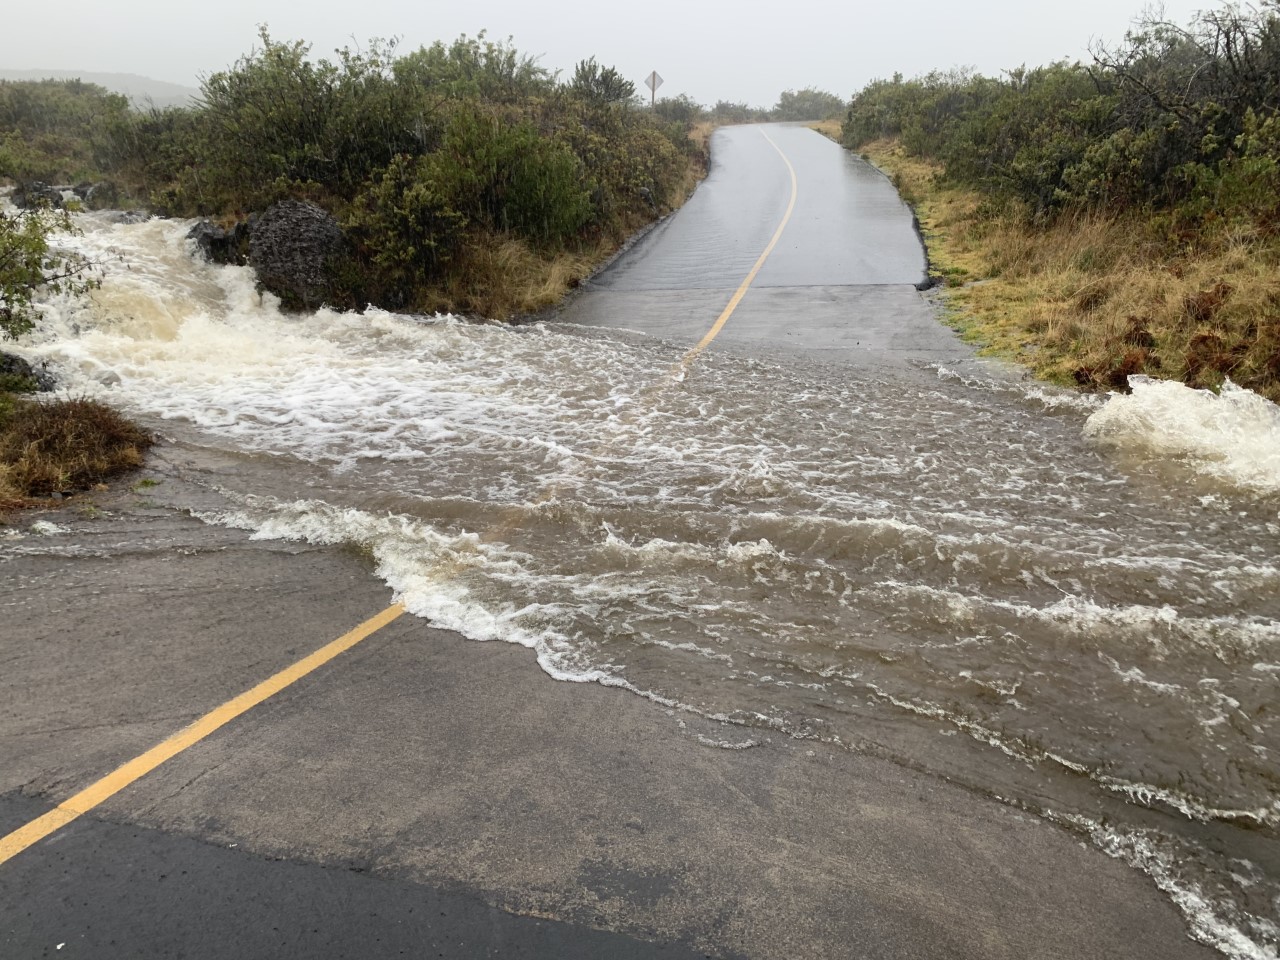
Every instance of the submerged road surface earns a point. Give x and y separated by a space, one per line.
807 640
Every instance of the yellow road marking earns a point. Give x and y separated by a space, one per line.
114 782
93 795
741 292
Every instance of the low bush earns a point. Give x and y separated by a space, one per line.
1177 119
62 446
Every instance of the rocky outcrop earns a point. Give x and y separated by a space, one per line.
99 196
294 247
126 216
36 193
220 245
20 375
102 195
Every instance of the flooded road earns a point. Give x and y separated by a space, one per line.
836 525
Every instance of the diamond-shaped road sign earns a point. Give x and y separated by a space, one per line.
653 82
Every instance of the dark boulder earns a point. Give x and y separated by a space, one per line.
294 248
128 217
101 196
35 193
220 245
21 376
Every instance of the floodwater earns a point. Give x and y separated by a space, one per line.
833 525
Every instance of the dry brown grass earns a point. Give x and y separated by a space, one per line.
828 128
700 133
1093 299
504 277
696 169
63 446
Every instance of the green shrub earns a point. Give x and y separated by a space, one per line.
424 157
404 226
807 104
1173 119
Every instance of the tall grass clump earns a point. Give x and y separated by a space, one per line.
62 446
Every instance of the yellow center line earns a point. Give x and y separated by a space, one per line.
114 782
741 292
101 790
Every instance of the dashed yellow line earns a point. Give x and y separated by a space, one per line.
114 782
96 793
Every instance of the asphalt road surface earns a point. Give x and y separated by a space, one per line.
421 795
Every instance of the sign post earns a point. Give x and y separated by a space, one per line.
653 82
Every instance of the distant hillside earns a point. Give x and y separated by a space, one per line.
143 91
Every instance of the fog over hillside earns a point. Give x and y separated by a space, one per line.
143 91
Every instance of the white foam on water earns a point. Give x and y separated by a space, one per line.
1016 748
1135 676
1232 436
1226 636
690 647
47 528
426 570
1049 397
727 744
428 573
1210 924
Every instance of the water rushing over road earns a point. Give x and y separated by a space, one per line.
1067 603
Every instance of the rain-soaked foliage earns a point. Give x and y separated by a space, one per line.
421 156
431 159
808 104
1179 119
55 130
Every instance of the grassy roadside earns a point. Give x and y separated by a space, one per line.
62 446
1092 299
832 129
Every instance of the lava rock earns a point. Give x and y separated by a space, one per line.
127 217
294 247
22 375
36 193
101 196
220 245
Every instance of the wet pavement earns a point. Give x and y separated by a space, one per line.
840 285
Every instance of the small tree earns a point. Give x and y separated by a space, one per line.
681 109
600 85
808 104
27 264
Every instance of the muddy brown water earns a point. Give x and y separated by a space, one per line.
836 525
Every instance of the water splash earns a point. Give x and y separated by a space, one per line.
1232 436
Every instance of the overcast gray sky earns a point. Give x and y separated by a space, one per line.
748 50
